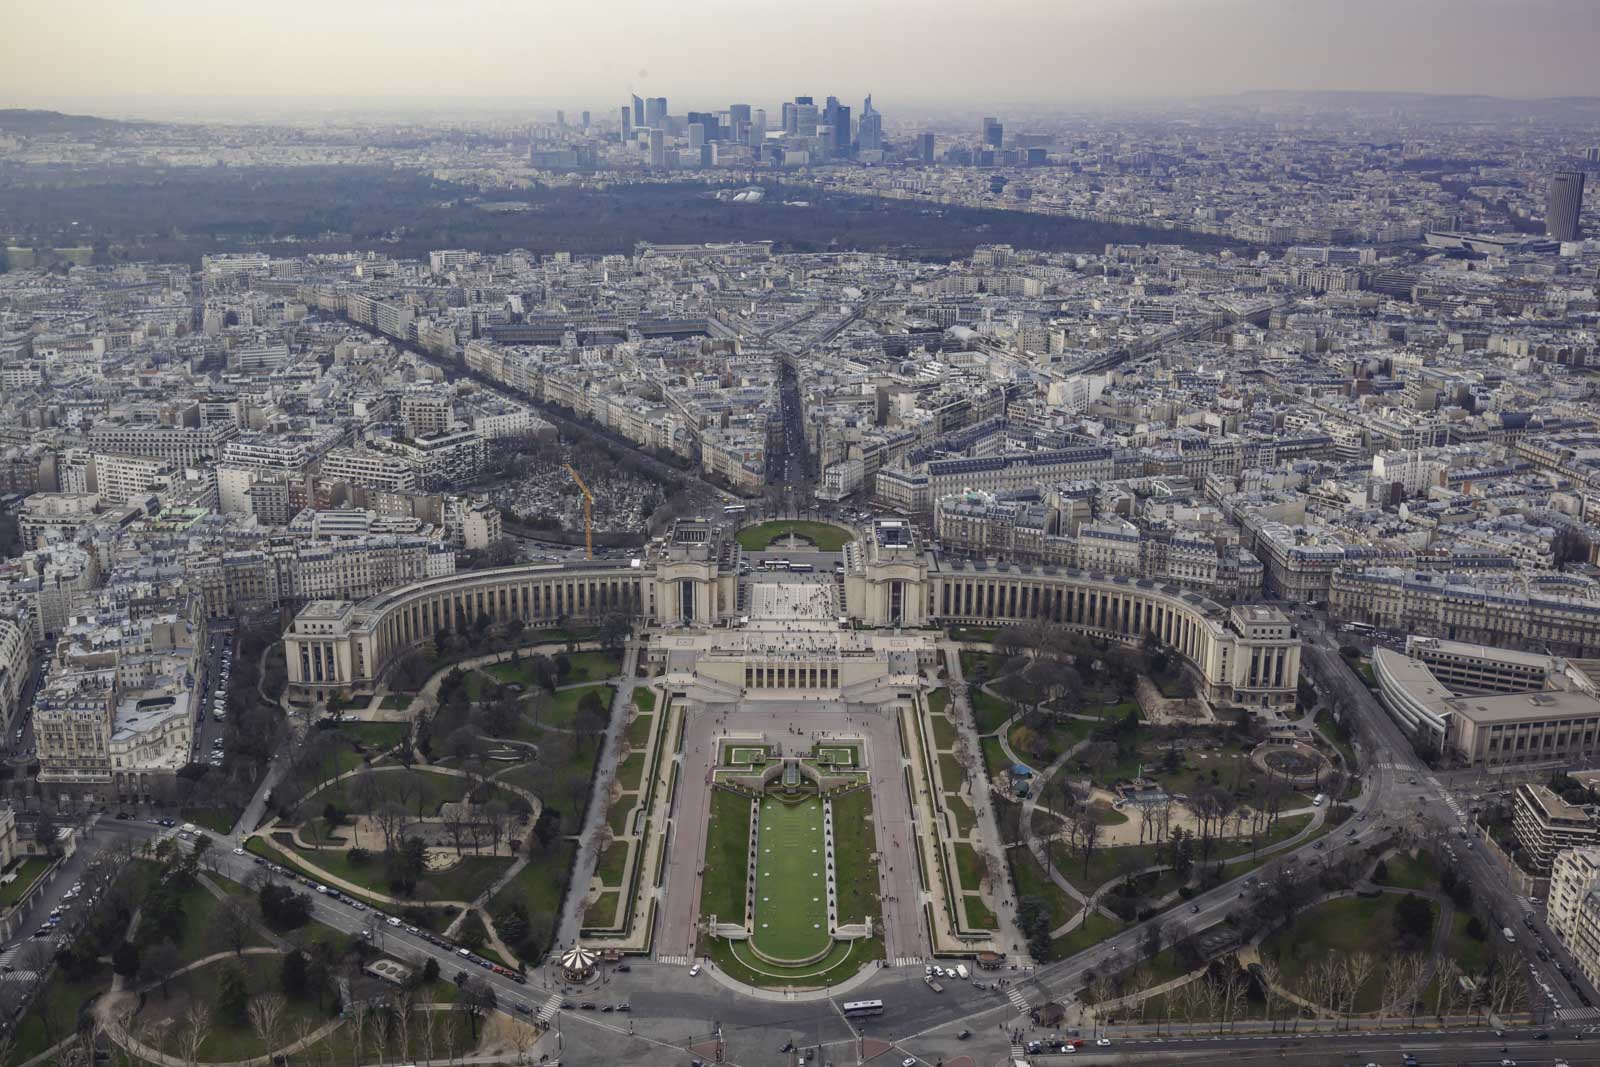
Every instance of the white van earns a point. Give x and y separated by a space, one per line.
961 969
1318 800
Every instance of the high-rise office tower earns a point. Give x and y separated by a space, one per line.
925 147
994 133
658 147
836 117
638 110
870 132
739 123
586 120
627 124
655 112
1565 205
1591 155
805 119
758 126
561 119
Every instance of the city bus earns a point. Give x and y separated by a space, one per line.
734 509
801 568
1361 627
855 1009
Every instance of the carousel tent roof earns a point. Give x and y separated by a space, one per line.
578 958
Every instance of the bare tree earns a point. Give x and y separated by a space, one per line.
402 1017
1445 974
428 1017
196 1028
1358 967
358 1030
1271 974
266 1018
392 819
380 1026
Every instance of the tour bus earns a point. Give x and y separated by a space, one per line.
734 509
854 1009
801 568
1361 627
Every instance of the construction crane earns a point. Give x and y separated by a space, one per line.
588 513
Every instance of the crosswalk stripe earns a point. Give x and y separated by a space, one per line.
551 1006
1017 998
679 961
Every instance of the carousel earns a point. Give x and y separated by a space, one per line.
578 964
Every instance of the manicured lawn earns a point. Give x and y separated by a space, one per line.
965 820
462 882
425 790
855 839
639 730
824 535
603 912
199 936
727 848
630 770
60 1001
592 666
994 758
1471 954
376 735
979 917
1345 926
539 883
980 666
562 707
1412 872
27 872
969 865
228 1040
1094 929
613 864
938 701
621 814
1032 881
843 959
950 774
1052 737
988 711
791 893
944 732
395 702
645 698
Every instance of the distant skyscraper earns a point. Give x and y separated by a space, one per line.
1565 205
638 111
561 119
658 147
994 133
869 131
758 126
1591 155
655 112
739 123
925 147
586 120
836 117
627 124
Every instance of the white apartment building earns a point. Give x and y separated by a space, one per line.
1573 911
369 468
119 478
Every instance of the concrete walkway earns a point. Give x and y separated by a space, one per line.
1010 937
589 836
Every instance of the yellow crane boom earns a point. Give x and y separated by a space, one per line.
588 513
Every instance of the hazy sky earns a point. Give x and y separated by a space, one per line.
127 56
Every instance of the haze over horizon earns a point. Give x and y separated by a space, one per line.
197 59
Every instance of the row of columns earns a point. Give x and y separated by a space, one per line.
803 677
531 600
1129 614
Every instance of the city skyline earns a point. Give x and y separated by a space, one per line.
354 55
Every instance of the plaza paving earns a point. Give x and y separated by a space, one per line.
797 598
795 724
